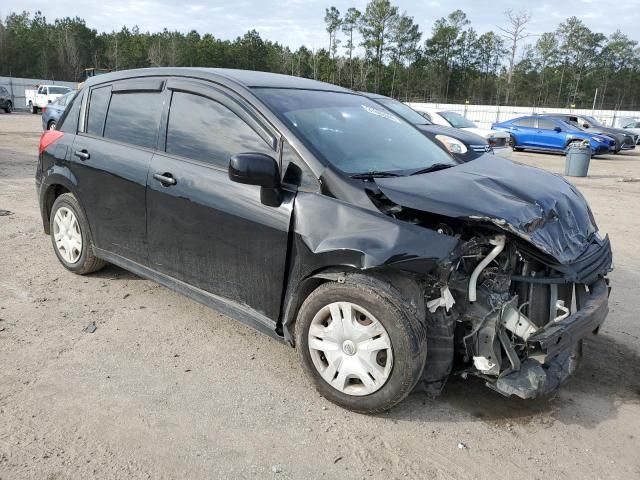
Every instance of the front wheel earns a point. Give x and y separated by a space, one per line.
51 125
32 108
359 344
71 238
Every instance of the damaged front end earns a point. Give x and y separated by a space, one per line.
517 322
526 282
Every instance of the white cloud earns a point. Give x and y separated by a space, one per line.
296 22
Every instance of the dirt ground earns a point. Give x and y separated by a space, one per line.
166 388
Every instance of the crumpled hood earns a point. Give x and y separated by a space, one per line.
534 204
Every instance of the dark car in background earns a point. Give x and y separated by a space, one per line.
6 102
316 216
464 145
544 133
624 140
52 112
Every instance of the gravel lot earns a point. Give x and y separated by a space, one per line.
166 388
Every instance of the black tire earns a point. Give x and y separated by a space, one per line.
406 332
32 108
51 125
9 107
87 262
512 142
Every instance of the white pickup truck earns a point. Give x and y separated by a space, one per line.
36 100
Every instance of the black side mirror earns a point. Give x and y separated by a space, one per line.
258 169
557 129
585 125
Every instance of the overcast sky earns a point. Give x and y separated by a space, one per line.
297 22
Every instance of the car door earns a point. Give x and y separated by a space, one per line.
523 131
110 158
547 136
203 229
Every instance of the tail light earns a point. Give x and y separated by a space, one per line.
49 137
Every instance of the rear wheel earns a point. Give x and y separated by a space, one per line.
9 107
71 238
512 144
51 125
360 346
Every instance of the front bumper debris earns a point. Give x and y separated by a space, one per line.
556 347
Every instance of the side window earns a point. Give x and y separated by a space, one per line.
40 90
133 118
203 129
98 103
546 124
525 122
3 91
68 123
296 172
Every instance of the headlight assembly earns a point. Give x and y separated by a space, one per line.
452 144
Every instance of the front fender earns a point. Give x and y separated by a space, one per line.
334 238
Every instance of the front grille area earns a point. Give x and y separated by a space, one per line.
629 141
481 148
498 142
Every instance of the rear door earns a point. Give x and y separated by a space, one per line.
547 137
110 158
204 229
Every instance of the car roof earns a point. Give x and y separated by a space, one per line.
244 78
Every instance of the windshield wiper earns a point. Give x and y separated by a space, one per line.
433 168
375 174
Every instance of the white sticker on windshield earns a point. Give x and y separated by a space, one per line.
381 113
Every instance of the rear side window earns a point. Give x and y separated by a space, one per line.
69 121
203 129
525 122
546 124
98 104
133 118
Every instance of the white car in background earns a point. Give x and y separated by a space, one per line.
36 100
499 141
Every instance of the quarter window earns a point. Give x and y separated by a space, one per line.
98 104
133 118
546 124
525 122
203 129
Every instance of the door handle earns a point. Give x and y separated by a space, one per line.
165 179
82 154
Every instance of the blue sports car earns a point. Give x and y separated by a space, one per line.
540 132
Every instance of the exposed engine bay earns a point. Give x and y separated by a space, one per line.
494 298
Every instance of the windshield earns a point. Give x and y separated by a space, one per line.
406 112
353 133
58 90
457 120
593 121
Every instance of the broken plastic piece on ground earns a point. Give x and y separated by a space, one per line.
90 328
446 300
5 213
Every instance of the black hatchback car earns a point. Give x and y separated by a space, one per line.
322 219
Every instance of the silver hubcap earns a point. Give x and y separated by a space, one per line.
66 233
350 348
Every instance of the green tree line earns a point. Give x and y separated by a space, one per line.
379 49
